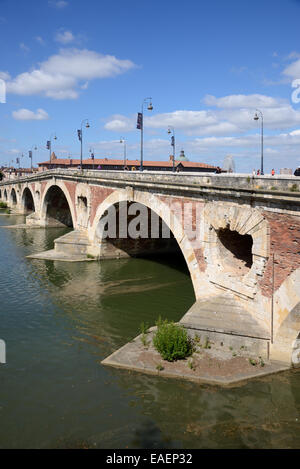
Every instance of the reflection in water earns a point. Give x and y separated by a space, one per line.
59 320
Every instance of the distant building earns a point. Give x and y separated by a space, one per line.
182 157
229 164
13 173
182 164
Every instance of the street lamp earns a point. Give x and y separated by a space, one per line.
79 132
49 142
172 144
34 147
92 152
122 140
258 115
140 126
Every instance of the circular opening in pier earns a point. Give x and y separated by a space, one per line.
235 251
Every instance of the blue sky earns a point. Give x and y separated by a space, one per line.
206 65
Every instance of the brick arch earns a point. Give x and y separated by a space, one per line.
22 197
13 191
43 207
163 211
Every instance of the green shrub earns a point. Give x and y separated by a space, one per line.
3 205
172 341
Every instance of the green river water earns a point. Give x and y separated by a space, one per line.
59 320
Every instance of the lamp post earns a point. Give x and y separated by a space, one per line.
92 152
79 132
49 143
122 140
34 147
172 144
140 126
259 115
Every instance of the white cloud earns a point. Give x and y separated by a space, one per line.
227 119
4 76
60 75
65 37
26 115
59 4
119 123
241 101
23 47
40 40
293 70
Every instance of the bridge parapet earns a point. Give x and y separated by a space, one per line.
284 189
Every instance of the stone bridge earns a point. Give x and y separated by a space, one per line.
239 235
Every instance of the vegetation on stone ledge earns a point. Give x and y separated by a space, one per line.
171 341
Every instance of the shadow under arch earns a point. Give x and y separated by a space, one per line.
27 199
5 197
13 197
56 206
163 211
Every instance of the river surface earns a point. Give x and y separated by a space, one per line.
59 320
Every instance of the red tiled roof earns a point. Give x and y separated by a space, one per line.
115 162
190 164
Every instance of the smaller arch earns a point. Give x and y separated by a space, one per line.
28 200
13 197
57 207
0 194
5 195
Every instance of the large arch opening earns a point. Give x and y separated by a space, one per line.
27 201
57 208
13 197
131 229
